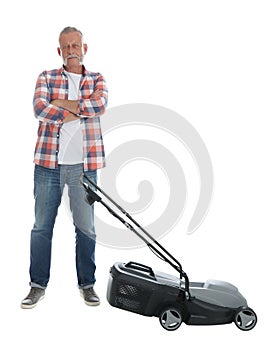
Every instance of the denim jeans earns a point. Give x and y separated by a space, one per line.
48 190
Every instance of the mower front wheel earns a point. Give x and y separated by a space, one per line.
245 319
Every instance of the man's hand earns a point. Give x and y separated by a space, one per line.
70 118
69 105
96 94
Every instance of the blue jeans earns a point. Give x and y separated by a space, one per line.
48 189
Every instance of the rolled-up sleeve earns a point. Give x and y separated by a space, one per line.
43 109
91 107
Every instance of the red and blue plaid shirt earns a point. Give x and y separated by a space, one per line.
52 85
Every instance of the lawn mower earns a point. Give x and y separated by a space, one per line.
138 288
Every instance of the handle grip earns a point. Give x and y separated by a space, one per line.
140 267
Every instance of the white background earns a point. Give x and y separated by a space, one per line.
210 61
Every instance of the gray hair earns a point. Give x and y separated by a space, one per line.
67 30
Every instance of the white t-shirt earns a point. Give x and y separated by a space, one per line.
71 135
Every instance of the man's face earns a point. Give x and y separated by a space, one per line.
71 49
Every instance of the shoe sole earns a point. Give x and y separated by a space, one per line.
27 306
95 303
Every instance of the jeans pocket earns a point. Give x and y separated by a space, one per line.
92 174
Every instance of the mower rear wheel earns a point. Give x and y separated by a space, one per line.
170 318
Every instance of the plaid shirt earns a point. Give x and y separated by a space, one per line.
52 85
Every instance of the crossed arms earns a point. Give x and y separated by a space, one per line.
72 106
57 111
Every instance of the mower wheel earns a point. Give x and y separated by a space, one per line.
170 318
245 319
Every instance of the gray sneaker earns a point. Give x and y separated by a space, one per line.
90 297
33 298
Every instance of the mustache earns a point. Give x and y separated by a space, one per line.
80 58
73 56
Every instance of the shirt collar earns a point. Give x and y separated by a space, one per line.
62 70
